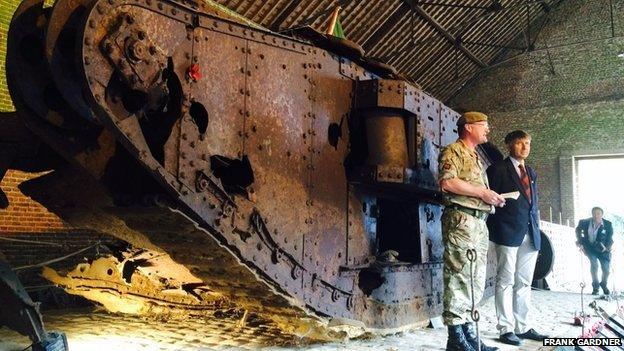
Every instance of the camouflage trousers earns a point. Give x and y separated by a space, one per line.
460 232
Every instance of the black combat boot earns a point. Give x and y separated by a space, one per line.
456 339
595 287
471 336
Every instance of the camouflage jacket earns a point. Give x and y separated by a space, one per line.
458 161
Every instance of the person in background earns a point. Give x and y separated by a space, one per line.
595 237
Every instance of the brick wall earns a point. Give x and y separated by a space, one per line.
568 94
30 234
25 215
7 7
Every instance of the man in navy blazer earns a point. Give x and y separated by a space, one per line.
595 236
514 229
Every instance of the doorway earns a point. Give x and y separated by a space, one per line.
599 183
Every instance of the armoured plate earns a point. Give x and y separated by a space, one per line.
224 72
428 138
431 248
279 135
448 125
361 228
326 244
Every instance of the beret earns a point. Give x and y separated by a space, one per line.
471 117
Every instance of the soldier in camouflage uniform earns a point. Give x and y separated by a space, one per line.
468 202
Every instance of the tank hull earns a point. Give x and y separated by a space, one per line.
278 172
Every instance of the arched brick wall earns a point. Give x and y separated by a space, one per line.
567 93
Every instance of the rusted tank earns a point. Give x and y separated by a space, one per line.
286 173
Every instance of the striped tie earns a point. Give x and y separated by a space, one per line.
526 184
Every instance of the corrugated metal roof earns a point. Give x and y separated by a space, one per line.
440 44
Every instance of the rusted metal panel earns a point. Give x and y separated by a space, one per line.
277 101
448 125
326 298
391 94
171 150
191 152
431 248
409 290
428 139
387 143
351 70
401 284
191 143
224 70
387 93
362 228
326 243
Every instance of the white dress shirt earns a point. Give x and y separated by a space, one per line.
592 230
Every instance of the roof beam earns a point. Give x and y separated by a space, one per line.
283 15
498 46
457 6
387 25
448 36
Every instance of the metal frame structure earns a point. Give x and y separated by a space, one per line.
438 44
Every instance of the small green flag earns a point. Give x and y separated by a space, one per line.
338 32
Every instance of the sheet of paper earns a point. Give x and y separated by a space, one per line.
512 195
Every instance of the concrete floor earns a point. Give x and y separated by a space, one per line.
89 330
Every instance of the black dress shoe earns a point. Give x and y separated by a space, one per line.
595 292
533 335
510 339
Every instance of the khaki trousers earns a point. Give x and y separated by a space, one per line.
513 285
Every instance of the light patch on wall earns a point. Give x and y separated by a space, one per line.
599 183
